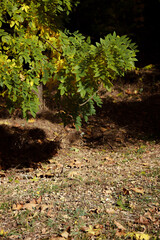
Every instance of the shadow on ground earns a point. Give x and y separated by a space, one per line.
20 147
125 121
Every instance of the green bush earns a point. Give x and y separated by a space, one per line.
34 50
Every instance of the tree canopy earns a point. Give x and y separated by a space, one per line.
35 49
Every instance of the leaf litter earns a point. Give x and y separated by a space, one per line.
104 185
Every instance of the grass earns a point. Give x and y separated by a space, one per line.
102 196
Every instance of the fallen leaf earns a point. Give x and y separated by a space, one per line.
103 129
148 215
39 200
2 232
43 207
94 210
44 230
138 236
119 226
32 120
72 174
120 233
125 191
65 234
91 230
143 220
57 238
30 206
75 164
2 174
17 206
142 236
33 201
110 211
138 190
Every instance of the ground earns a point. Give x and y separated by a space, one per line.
102 182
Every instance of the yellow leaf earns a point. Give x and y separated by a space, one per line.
25 7
32 120
92 230
142 236
2 232
139 235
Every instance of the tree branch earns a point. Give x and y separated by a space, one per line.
51 45
82 104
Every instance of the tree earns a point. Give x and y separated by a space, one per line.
35 50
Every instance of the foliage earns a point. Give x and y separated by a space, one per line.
34 51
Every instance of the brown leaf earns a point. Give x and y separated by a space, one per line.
44 207
2 174
148 215
39 200
138 190
65 234
33 201
72 174
120 233
94 210
75 164
57 238
119 226
143 220
125 191
30 206
110 211
49 174
17 206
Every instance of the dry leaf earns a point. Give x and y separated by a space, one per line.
30 206
110 211
125 191
17 206
33 201
148 215
94 210
39 200
65 234
138 190
75 164
92 230
143 220
32 120
57 238
119 226
39 174
72 174
44 230
103 129
44 207
120 233
142 236
2 174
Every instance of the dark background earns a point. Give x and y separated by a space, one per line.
138 19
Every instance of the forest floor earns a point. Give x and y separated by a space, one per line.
100 183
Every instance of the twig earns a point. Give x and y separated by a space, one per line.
51 45
82 104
